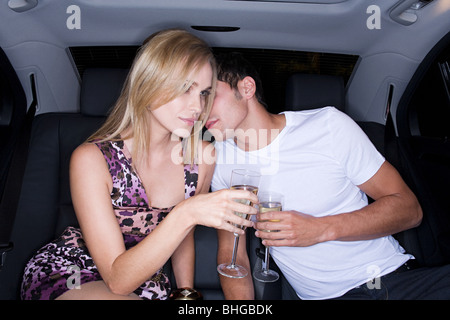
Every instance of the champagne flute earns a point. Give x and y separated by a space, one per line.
241 179
268 201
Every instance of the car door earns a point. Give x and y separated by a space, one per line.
12 113
15 125
423 120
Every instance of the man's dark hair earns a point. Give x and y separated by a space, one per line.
233 67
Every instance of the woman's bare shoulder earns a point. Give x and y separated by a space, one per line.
86 150
87 154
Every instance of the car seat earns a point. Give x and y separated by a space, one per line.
314 91
45 205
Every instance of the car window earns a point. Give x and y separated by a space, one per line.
274 66
429 110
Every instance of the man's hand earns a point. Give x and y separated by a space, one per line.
296 229
395 209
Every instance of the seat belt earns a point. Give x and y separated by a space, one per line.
390 138
263 290
14 178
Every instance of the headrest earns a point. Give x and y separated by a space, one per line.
311 91
100 89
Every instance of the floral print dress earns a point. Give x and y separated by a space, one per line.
52 269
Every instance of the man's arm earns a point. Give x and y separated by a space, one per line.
234 289
395 209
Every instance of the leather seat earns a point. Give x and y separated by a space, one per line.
312 91
45 205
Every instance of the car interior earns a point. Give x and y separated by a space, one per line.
385 63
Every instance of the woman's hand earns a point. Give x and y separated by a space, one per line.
217 209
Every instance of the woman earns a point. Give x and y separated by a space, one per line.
127 178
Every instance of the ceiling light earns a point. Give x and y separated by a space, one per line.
22 5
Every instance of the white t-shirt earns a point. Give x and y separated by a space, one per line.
317 161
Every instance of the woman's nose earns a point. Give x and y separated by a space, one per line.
196 106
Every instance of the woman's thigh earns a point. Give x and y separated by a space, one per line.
95 290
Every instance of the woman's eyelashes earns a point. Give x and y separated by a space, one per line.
203 93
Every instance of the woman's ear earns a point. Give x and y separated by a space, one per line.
247 87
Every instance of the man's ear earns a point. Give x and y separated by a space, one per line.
247 87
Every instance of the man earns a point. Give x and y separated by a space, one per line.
330 241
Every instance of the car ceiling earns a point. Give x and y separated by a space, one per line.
36 40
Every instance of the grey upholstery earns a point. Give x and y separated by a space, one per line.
311 91
100 90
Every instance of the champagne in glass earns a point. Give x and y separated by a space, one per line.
244 201
245 180
267 206
269 201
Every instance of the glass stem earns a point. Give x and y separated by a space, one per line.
266 260
235 246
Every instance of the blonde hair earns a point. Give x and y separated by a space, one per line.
157 76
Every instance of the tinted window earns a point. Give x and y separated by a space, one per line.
430 104
274 66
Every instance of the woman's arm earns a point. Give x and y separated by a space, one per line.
125 270
183 262
122 270
183 259
234 289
